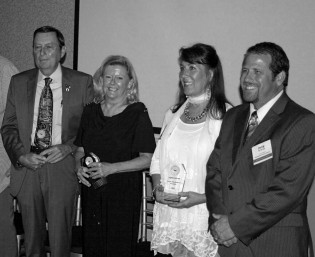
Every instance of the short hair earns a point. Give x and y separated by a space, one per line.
116 60
279 60
206 55
47 29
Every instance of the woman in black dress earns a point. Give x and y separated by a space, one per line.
119 132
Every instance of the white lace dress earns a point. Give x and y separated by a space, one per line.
183 232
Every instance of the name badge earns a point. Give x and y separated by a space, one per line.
176 179
262 152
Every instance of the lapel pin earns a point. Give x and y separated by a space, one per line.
68 88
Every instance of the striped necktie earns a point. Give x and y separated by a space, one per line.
252 125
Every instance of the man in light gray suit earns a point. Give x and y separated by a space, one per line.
44 181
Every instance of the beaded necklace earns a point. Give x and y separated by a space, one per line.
196 118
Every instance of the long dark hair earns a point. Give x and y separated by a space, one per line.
206 55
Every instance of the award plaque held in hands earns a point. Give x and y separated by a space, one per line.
175 179
85 162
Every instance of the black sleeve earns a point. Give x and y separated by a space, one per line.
144 141
84 117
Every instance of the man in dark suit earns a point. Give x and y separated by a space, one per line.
259 176
44 179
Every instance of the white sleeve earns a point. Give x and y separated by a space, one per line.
155 162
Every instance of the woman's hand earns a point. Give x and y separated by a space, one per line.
101 169
192 198
83 174
164 198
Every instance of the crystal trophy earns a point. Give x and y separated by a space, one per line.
175 179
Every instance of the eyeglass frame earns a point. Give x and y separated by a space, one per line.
48 49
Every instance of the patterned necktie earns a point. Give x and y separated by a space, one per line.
45 115
252 125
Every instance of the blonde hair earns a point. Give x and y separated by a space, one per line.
133 92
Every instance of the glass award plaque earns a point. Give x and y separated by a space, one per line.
175 179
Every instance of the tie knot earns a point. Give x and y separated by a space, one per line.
253 119
47 81
252 125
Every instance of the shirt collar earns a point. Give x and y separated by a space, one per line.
262 111
55 76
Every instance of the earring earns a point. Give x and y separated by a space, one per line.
131 96
131 93
131 84
208 92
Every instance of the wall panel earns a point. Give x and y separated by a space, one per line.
19 19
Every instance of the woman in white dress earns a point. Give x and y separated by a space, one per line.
178 167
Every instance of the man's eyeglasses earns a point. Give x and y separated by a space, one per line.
47 49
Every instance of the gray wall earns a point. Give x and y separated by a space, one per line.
19 19
150 34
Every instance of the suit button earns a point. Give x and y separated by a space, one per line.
230 187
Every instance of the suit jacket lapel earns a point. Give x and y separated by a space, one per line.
66 93
263 128
29 110
266 125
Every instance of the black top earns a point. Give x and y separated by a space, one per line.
118 138
110 214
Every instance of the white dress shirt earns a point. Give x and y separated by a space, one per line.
262 111
56 88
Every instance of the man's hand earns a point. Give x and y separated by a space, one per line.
221 230
32 161
56 153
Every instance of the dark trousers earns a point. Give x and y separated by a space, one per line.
8 241
49 193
